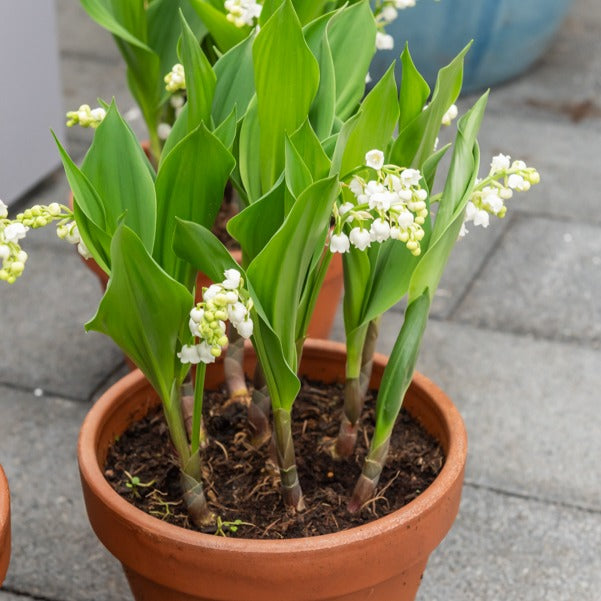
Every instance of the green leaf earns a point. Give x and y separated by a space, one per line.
323 108
280 269
103 12
249 160
307 10
307 144
375 125
227 130
414 90
286 79
118 169
178 132
200 79
226 34
89 211
235 81
357 273
256 224
351 35
190 190
430 165
416 140
399 370
298 177
164 28
144 311
198 246
458 188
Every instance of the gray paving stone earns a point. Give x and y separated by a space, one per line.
79 35
531 408
55 553
7 596
508 549
545 279
44 342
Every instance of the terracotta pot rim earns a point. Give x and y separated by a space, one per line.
4 524
402 518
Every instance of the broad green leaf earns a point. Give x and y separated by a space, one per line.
416 140
462 168
144 80
431 165
198 246
323 108
256 224
335 145
280 269
178 132
235 81
414 90
164 28
357 273
118 169
89 211
399 370
456 193
102 11
249 161
351 35
144 311
285 85
298 176
200 79
226 34
269 7
375 125
307 10
226 131
189 189
310 149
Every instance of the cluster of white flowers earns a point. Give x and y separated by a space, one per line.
242 12
12 256
225 301
490 194
13 231
175 80
68 230
385 14
393 206
86 116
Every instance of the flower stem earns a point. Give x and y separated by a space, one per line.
355 389
233 366
190 464
259 410
199 386
284 446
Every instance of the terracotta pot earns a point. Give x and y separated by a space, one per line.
4 525
381 561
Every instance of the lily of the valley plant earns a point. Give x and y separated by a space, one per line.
146 35
320 170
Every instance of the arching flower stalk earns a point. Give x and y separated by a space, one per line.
490 193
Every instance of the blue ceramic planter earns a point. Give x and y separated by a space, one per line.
509 35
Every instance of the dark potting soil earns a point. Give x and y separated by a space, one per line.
242 483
